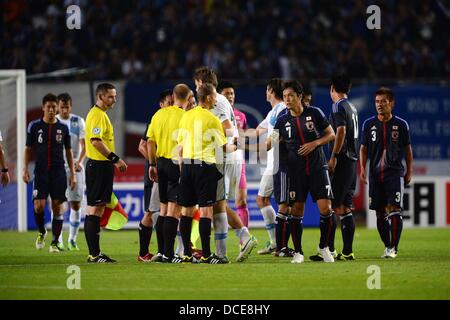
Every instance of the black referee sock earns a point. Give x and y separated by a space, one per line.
185 230
145 234
396 227
383 228
348 231
159 228
332 232
40 221
92 233
325 229
297 232
205 236
281 232
170 233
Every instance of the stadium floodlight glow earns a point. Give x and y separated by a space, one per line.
13 90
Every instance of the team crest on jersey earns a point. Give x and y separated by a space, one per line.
96 130
309 125
395 135
58 135
292 195
35 193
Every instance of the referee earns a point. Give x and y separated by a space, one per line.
99 168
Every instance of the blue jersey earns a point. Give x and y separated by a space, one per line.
297 131
385 142
49 141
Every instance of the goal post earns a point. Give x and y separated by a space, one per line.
13 127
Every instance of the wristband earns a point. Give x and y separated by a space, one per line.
152 164
113 157
5 170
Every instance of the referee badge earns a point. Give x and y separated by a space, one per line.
96 130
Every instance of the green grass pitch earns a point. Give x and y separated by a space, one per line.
421 271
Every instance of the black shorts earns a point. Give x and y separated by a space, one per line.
50 182
198 185
343 182
389 191
148 185
99 182
168 180
317 183
281 185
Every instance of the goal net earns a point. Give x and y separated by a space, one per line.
13 130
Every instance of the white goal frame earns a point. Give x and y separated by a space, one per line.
20 77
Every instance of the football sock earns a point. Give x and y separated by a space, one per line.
205 236
57 223
348 231
40 221
396 227
185 230
180 247
297 232
220 222
92 233
159 228
243 235
325 229
242 211
74 224
269 219
145 234
332 232
281 230
170 233
383 228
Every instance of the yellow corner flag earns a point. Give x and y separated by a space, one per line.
114 217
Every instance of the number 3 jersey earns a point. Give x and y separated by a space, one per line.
297 131
385 142
49 141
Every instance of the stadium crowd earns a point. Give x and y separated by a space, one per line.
251 39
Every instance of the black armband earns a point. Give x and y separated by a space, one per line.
5 170
113 157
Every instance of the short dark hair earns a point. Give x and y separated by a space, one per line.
294 85
224 85
386 91
206 75
164 94
103 87
341 83
276 84
49 97
64 97
307 89
205 90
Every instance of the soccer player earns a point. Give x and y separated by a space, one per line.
274 95
49 137
342 164
200 134
230 167
165 168
151 196
76 125
100 149
385 142
4 175
307 95
304 131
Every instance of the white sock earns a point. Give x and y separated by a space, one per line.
74 220
180 247
220 222
244 235
155 216
269 216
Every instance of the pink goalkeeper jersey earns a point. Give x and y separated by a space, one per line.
241 119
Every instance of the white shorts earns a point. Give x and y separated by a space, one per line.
221 190
75 195
233 173
266 185
154 199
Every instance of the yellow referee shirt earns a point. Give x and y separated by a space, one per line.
199 134
163 130
98 126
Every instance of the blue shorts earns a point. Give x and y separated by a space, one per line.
53 183
387 192
281 185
